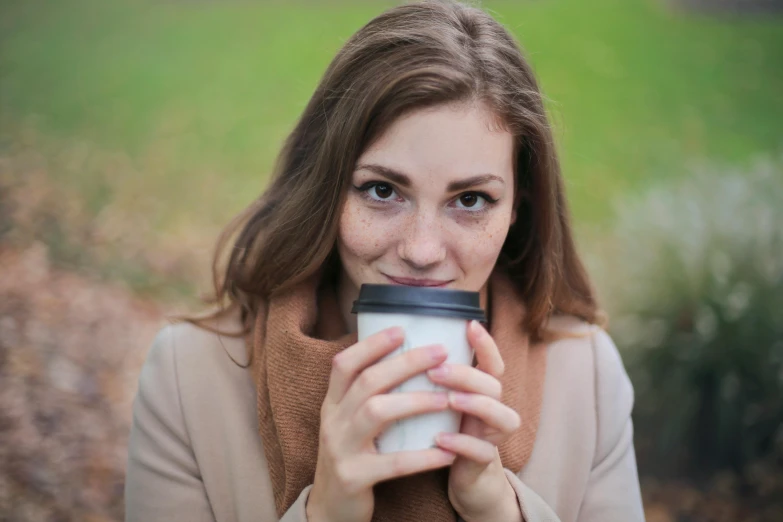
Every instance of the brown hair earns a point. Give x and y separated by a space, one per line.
410 57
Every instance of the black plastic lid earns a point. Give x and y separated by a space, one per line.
418 300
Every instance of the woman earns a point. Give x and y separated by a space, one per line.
423 158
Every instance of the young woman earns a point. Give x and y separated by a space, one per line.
423 158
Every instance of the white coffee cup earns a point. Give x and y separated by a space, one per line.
428 316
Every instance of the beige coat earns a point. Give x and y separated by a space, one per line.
195 453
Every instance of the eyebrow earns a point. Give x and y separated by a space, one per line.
405 181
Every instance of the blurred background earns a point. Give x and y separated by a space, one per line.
132 131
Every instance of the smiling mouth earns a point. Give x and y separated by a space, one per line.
417 282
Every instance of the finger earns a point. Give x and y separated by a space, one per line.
472 448
466 378
387 374
487 353
379 467
379 411
492 412
347 364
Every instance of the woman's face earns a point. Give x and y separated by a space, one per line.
430 204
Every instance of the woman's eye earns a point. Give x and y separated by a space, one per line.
472 201
381 191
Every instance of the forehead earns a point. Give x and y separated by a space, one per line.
445 142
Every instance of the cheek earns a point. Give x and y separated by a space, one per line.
479 250
362 237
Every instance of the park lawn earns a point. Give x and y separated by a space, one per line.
196 96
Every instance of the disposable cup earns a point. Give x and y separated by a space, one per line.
428 316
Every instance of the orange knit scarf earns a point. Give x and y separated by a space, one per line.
294 340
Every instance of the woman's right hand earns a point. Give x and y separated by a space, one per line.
357 409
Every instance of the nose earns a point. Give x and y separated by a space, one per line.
422 245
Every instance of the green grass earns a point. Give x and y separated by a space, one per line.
199 95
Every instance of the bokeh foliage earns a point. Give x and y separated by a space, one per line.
699 305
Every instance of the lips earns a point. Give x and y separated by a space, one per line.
418 282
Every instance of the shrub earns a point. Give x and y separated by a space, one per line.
697 306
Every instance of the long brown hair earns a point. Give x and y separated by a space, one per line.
410 57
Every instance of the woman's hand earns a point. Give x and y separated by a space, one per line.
478 487
356 409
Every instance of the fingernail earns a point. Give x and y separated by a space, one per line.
440 371
458 398
450 456
477 328
444 438
396 334
437 352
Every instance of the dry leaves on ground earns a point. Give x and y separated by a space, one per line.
70 352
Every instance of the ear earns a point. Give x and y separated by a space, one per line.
513 216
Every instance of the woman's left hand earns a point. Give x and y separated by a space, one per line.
478 487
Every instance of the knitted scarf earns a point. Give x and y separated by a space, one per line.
294 339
